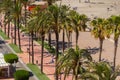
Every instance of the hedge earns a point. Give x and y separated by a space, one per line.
22 75
10 58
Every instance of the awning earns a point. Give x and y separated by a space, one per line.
2 61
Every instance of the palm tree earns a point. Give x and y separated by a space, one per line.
43 27
17 15
100 30
5 7
55 14
25 3
54 11
31 29
78 23
101 71
74 60
7 22
115 25
64 22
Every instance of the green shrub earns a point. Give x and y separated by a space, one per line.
21 75
11 58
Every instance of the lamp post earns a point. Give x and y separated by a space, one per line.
11 36
28 50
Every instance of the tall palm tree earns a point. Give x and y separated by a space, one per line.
42 29
25 3
5 7
54 11
115 25
101 71
31 29
17 15
100 31
7 22
74 60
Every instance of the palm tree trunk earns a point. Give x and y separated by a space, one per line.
68 35
15 26
101 45
76 77
32 48
8 25
8 29
115 52
77 35
29 45
15 31
19 42
5 28
49 38
42 52
57 54
63 45
71 39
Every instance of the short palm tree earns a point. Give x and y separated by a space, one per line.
78 23
100 31
101 71
64 22
73 60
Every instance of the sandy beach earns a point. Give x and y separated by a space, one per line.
95 8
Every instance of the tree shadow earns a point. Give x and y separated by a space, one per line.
60 44
93 50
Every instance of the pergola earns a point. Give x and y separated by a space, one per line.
3 64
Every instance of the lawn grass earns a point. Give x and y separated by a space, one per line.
4 36
15 48
36 71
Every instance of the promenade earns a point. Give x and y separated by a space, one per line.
93 9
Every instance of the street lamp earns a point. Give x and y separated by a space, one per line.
11 36
28 50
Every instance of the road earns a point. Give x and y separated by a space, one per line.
4 48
